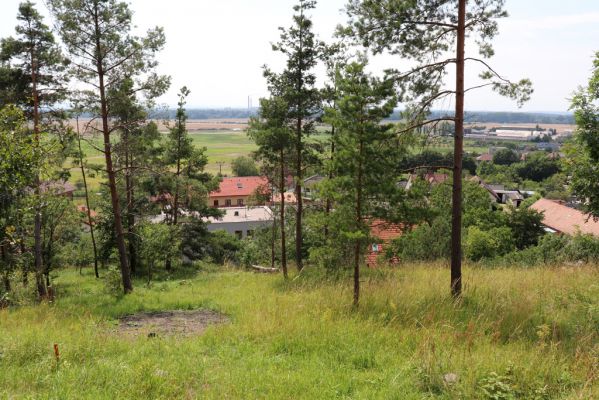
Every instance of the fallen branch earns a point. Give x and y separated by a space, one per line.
265 270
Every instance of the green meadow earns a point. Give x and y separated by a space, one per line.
516 334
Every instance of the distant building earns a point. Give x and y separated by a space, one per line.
384 233
487 157
432 179
241 221
559 218
58 188
235 192
309 186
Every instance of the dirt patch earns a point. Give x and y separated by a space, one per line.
163 323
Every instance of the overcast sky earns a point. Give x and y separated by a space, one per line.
217 48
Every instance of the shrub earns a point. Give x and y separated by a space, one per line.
481 244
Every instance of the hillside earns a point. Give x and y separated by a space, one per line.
525 334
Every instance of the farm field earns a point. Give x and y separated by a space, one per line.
517 334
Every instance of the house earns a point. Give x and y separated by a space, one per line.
487 157
309 186
499 194
432 179
489 188
289 198
510 197
559 218
384 233
58 188
241 221
235 192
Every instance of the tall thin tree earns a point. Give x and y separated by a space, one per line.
425 32
98 36
35 52
296 85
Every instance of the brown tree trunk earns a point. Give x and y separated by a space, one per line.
175 216
298 194
456 229
358 244
89 211
329 203
5 276
282 219
114 196
130 202
37 228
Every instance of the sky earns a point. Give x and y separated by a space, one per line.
217 48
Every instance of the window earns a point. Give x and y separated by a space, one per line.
375 248
240 202
215 203
250 233
228 203
239 234
236 213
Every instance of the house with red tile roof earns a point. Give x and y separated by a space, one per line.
236 191
559 218
384 233
487 157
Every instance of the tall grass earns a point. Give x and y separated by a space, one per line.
529 334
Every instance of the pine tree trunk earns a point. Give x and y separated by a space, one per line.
329 203
298 194
282 221
114 196
456 230
37 228
358 243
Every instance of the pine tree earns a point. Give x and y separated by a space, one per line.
35 53
364 148
296 86
274 137
98 36
425 31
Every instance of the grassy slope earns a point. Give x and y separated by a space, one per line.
300 340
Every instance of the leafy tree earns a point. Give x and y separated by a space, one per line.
537 167
158 241
274 137
505 157
244 166
363 180
35 53
491 243
97 34
526 225
17 160
296 86
584 155
424 31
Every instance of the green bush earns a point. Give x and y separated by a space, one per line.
481 244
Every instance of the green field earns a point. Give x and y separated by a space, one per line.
222 147
517 334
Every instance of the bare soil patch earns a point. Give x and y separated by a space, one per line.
166 323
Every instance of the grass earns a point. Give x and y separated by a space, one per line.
528 334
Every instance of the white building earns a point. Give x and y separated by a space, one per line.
241 221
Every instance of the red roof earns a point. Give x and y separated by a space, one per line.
564 219
240 186
385 232
485 157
